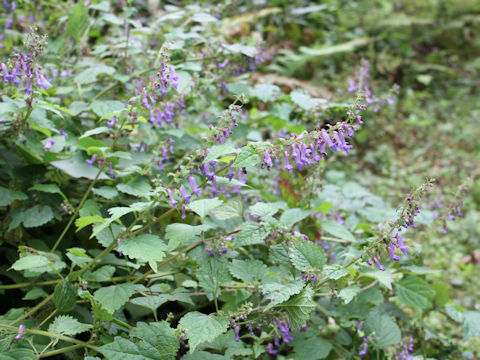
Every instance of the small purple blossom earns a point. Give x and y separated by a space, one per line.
21 332
90 161
193 185
223 64
63 133
380 266
173 202
49 144
184 194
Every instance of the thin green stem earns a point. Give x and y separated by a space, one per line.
33 310
60 351
51 335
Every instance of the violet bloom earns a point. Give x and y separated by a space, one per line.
183 213
193 185
352 87
119 241
328 140
270 349
90 161
63 133
267 159
111 173
237 332
184 194
49 144
173 202
401 245
380 266
363 351
215 192
288 166
359 119
223 64
391 250
111 123
173 77
21 332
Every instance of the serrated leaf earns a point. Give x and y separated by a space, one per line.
212 275
81 222
251 233
77 168
347 294
307 255
299 307
263 209
65 296
217 151
89 75
414 291
229 210
204 206
39 263
293 216
202 328
67 325
179 233
384 277
312 348
106 192
251 271
471 324
278 293
337 230
266 92
48 188
304 100
37 216
122 349
114 297
77 21
246 158
145 247
103 273
158 340
18 354
334 272
103 107
386 330
8 196
136 188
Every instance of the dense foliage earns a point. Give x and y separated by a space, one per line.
203 180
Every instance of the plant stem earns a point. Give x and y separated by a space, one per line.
60 351
34 310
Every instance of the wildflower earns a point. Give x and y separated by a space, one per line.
363 351
21 332
184 194
119 241
237 331
223 64
111 173
183 213
328 140
90 161
173 202
63 133
288 167
49 144
267 159
111 123
270 349
391 250
380 266
193 185
173 77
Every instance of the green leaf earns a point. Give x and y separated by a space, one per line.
158 340
299 307
293 216
337 230
385 329
18 354
201 328
179 233
312 349
251 271
106 192
217 151
77 21
35 294
307 255
122 349
77 168
80 223
384 277
335 272
347 294
266 92
414 291
103 107
212 275
204 206
246 158
104 273
231 209
37 216
304 100
48 188
136 188
145 247
8 196
29 261
471 324
251 233
65 296
114 297
263 209
89 75
278 293
67 325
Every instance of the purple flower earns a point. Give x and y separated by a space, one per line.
391 250
173 202
21 332
63 133
270 349
352 87
363 351
359 119
223 64
237 331
328 140
184 194
193 185
380 266
173 77
90 161
183 213
111 173
49 144
288 167
401 245
112 122
215 192
267 159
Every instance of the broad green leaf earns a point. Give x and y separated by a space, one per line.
179 233
8 196
204 206
37 216
263 209
337 230
77 21
103 107
266 92
220 150
312 348
307 255
67 325
103 273
347 294
95 131
414 291
251 271
304 100
80 223
106 192
384 277
201 328
48 188
251 233
145 247
65 296
278 293
158 340
77 168
114 297
335 272
292 216
136 188
30 261
18 354
90 74
386 330
122 349
231 209
299 307
471 324
212 275
39 263
35 294
246 158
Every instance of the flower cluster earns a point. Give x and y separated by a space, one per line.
406 349
219 245
222 131
282 334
